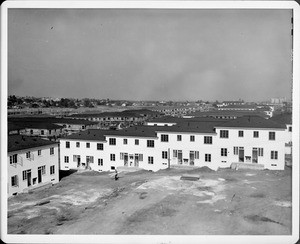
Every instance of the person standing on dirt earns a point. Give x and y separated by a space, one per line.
116 175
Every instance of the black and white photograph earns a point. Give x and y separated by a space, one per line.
149 122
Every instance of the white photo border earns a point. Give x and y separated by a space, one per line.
167 239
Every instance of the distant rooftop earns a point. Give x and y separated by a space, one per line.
284 118
125 113
249 121
20 142
194 125
227 113
47 122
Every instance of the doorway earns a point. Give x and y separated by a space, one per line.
136 160
39 175
241 154
29 178
255 155
192 157
179 156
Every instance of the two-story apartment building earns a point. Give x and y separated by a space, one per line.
32 162
196 142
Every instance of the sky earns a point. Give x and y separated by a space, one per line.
148 54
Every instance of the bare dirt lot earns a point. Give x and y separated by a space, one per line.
243 202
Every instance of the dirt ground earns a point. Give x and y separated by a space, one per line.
243 202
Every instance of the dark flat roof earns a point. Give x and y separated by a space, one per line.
91 134
252 122
20 142
49 120
228 113
125 113
285 118
194 125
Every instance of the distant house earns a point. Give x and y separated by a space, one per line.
32 162
42 129
14 129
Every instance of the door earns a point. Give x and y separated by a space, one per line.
78 162
126 160
179 156
192 157
28 178
136 160
131 160
254 155
241 154
39 175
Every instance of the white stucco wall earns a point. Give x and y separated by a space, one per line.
248 142
45 159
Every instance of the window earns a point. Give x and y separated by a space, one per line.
43 169
196 154
125 142
136 142
13 159
31 132
241 133
192 138
207 139
112 157
67 144
51 150
175 153
39 152
27 154
52 169
77 144
223 133
100 161
66 159
272 136
150 160
255 134
274 154
207 157
49 131
290 128
83 127
164 154
235 150
224 152
112 141
14 180
42 132
179 138
89 159
150 143
99 146
88 145
122 156
164 138
260 152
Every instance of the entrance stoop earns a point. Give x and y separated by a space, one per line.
237 166
190 177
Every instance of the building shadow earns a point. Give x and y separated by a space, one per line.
65 173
